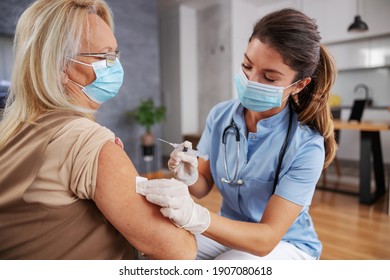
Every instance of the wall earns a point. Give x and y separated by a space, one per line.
195 65
6 57
10 11
170 76
189 71
9 14
361 58
136 30
214 58
377 80
364 53
244 17
335 16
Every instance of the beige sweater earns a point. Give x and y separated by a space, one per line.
69 168
47 180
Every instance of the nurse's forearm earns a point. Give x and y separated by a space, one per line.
205 181
201 187
254 238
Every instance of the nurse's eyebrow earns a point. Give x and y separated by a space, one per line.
246 56
265 70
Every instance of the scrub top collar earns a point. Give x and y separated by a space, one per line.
274 120
268 123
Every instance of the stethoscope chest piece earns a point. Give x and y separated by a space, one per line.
238 182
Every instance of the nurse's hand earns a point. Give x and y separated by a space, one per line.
177 204
184 166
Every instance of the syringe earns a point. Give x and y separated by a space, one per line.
190 151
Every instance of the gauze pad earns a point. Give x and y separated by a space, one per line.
139 189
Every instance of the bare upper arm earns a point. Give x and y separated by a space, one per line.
140 222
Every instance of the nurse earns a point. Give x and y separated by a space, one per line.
278 137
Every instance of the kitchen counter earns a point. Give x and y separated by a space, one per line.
370 145
385 107
371 114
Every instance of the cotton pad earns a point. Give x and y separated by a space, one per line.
139 189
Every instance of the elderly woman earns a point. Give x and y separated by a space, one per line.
67 191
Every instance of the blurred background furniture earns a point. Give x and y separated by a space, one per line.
357 109
3 93
334 103
370 144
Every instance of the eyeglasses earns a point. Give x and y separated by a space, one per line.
110 57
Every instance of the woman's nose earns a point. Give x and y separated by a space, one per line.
253 77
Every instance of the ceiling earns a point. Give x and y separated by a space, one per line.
195 4
201 4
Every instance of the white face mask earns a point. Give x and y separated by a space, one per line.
107 83
258 97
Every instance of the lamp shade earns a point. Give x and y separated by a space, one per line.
358 25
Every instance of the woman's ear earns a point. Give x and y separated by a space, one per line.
64 77
301 85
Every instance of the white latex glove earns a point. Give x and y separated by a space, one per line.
177 204
184 166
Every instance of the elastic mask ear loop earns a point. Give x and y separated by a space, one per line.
285 98
79 62
82 63
292 84
76 83
291 94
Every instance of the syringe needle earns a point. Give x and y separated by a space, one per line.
164 141
172 144
191 151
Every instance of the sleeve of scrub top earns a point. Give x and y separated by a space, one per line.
204 145
299 183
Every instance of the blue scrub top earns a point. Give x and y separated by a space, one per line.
259 152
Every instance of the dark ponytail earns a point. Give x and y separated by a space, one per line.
312 103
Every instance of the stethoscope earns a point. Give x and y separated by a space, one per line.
232 127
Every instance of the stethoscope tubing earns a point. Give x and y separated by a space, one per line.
232 127
236 131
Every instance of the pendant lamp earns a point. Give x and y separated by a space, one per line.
358 25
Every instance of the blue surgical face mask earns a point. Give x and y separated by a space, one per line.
107 83
258 97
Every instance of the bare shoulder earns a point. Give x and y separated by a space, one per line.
138 220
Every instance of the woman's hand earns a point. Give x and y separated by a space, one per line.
184 166
119 142
177 204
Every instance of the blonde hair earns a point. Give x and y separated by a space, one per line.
48 32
